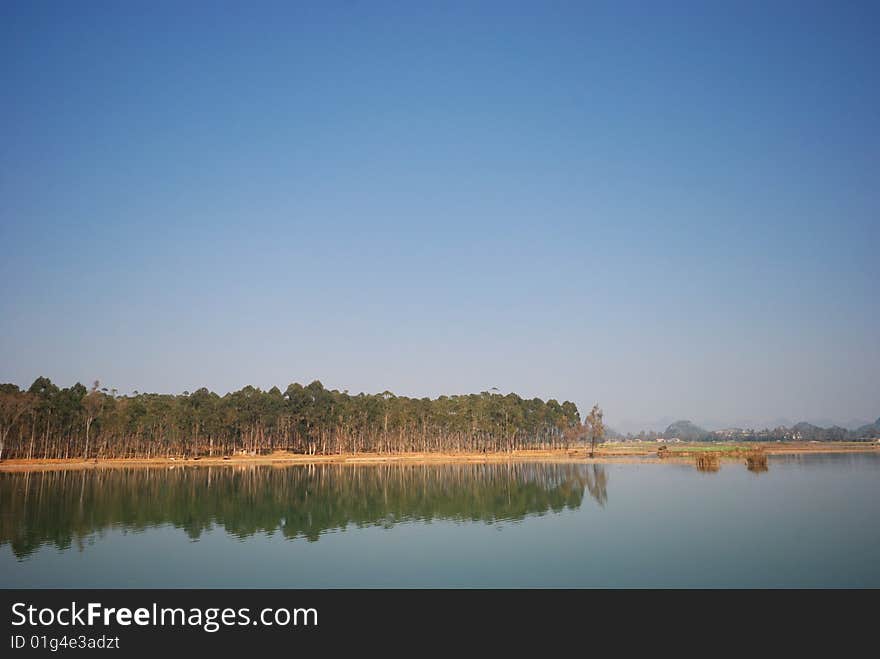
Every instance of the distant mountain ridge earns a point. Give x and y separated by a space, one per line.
803 431
657 426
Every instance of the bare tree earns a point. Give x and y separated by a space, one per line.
595 427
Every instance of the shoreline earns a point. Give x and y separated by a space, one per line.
607 454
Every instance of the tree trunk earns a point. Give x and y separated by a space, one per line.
88 425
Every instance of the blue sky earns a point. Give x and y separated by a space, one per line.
670 209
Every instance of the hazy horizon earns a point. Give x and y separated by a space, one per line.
668 210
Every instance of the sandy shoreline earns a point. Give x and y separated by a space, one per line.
608 454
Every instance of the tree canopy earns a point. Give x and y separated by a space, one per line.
46 421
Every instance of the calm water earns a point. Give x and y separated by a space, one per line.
807 521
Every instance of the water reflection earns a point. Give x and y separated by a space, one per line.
710 462
67 508
757 462
596 481
707 462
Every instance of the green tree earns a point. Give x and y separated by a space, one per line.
13 405
61 423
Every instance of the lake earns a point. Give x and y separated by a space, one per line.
808 521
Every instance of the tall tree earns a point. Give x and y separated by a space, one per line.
13 405
92 403
595 427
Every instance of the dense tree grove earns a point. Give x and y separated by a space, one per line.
46 421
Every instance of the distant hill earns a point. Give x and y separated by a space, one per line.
686 431
855 424
809 432
806 428
868 431
803 431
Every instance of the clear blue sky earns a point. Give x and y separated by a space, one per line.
669 208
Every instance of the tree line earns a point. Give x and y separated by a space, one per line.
46 422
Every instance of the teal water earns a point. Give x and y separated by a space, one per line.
809 521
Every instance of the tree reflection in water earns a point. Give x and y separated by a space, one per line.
66 508
597 483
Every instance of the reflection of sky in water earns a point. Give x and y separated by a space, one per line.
808 521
